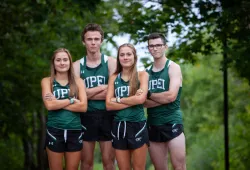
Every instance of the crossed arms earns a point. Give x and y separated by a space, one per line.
100 92
51 103
138 98
157 99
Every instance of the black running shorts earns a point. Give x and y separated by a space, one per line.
164 133
129 135
96 126
60 140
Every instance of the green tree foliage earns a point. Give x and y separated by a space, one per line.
31 30
196 24
202 104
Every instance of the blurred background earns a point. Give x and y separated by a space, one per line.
210 39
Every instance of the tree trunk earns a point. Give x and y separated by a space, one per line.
41 153
28 159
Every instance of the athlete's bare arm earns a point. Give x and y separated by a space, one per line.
101 95
138 99
76 66
50 102
175 83
112 65
89 91
111 103
80 104
150 103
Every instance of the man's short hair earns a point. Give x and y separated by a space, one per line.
92 27
157 35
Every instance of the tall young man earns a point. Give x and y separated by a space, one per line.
165 126
95 69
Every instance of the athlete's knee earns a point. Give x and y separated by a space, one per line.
108 161
73 167
86 167
139 167
180 163
180 167
87 164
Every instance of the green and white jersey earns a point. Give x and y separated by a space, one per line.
63 119
93 77
133 113
166 113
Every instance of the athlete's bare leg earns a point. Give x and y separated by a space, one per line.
177 150
108 155
72 160
139 157
55 160
158 152
123 159
87 155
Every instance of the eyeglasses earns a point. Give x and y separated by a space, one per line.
157 46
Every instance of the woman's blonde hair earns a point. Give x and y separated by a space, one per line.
133 78
71 74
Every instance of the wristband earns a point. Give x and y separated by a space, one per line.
149 94
118 99
71 100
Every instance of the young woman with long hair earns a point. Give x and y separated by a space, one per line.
127 91
65 99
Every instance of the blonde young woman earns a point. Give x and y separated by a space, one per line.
65 100
127 91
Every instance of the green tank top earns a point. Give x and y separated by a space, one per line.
133 113
166 113
94 77
63 119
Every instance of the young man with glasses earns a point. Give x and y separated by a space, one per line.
165 126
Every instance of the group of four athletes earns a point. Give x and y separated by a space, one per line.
102 99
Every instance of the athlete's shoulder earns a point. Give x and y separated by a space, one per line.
45 80
173 65
76 63
111 65
143 73
113 76
111 59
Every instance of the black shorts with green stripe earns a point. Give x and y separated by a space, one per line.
164 133
61 140
129 135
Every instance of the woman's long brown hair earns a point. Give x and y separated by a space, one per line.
133 78
71 74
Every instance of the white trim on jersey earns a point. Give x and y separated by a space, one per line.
170 62
105 58
149 67
82 61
